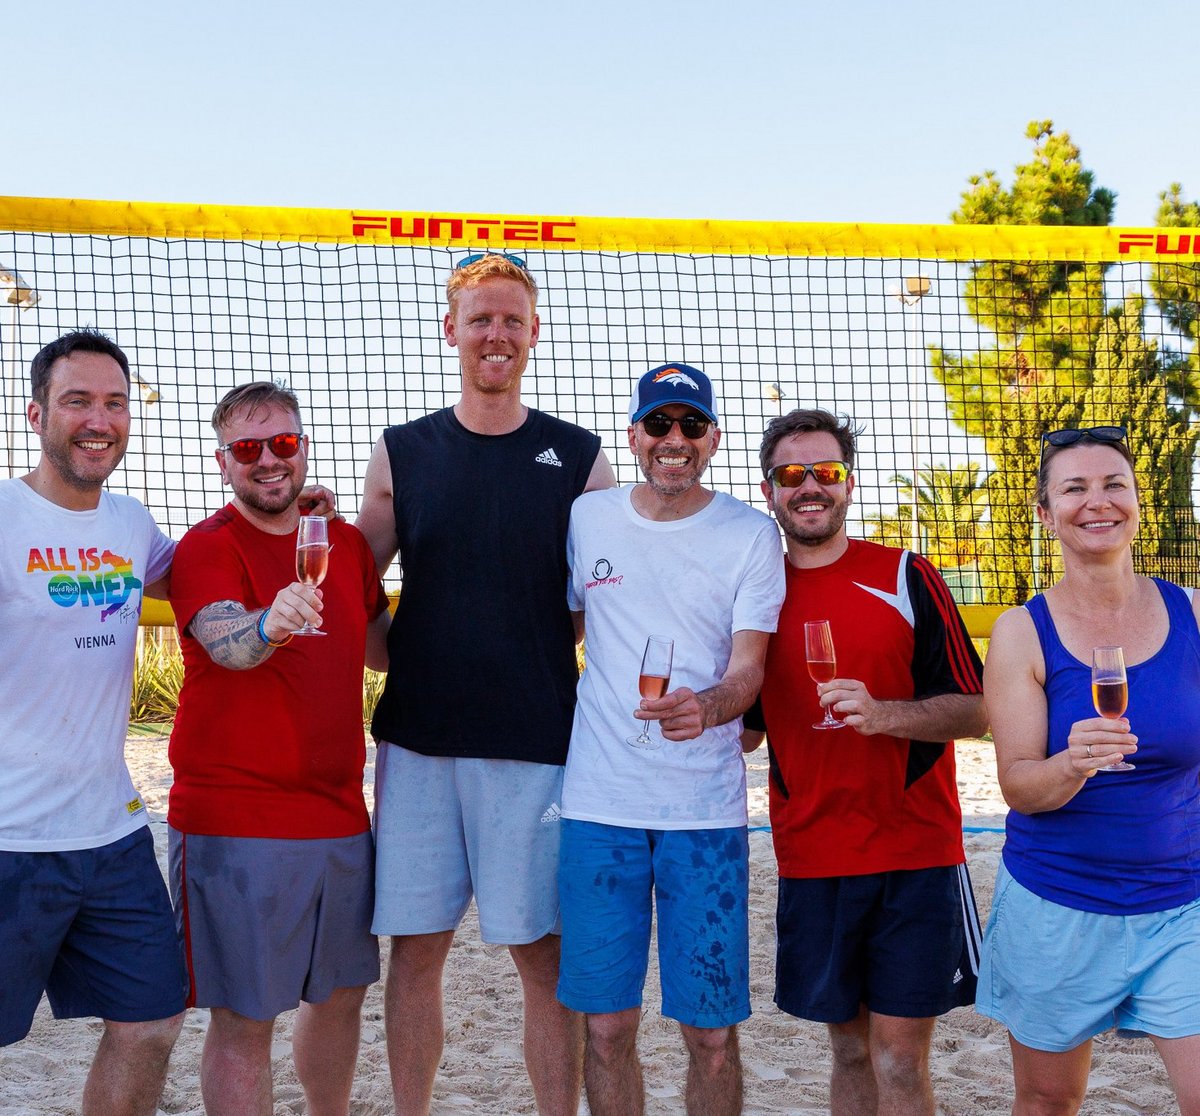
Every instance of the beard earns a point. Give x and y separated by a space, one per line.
82 476
269 502
672 483
817 533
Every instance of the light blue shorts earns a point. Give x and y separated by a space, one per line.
1056 977
700 879
449 829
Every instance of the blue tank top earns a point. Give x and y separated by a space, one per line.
1129 841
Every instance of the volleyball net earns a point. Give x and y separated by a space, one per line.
953 348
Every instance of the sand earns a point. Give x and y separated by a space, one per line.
786 1060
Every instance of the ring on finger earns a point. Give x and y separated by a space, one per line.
1089 751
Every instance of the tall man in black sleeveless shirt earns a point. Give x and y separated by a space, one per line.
476 714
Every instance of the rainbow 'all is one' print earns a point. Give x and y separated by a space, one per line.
85 576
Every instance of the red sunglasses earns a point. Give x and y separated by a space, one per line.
246 451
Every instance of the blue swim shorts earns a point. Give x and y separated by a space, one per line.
700 882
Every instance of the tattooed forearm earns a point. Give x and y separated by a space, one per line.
230 635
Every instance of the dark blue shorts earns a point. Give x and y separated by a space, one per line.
93 929
902 943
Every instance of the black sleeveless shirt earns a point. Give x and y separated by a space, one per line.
482 651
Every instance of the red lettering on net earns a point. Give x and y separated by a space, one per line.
1133 240
485 229
1185 244
397 229
361 225
1180 249
437 224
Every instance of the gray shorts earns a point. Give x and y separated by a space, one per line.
267 923
449 829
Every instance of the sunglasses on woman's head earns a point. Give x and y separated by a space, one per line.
1070 436
1105 435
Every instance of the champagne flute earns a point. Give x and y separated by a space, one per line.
822 663
653 680
312 558
1110 691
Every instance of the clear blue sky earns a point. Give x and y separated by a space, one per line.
787 110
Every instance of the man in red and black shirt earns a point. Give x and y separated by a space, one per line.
877 933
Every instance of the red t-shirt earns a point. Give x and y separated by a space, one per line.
278 750
844 804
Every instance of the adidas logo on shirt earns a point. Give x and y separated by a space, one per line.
553 812
548 457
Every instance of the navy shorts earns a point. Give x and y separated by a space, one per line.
903 943
93 929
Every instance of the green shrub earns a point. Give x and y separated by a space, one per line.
372 691
157 676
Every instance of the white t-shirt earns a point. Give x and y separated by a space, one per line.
696 580
70 598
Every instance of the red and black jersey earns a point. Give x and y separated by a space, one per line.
843 804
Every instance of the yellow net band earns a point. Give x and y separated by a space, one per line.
978 618
512 233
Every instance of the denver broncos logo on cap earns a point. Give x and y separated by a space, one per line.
674 376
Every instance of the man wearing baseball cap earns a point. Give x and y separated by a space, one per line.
674 383
664 807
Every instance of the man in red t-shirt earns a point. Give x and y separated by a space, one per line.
271 857
876 928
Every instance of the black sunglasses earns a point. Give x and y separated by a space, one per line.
1105 435
466 261
691 426
827 473
246 451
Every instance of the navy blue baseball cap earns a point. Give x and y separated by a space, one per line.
673 383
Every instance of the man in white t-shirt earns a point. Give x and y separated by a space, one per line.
665 810
87 918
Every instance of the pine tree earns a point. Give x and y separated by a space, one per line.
1046 317
1130 388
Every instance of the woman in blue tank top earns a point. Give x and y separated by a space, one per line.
1095 922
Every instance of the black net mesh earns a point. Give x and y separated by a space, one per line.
952 369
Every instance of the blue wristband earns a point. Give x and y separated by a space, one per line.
262 632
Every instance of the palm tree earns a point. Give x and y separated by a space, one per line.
951 501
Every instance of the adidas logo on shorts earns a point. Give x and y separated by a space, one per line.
553 813
548 457
957 976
